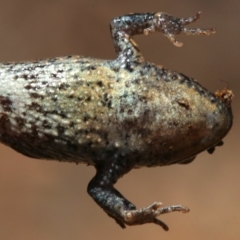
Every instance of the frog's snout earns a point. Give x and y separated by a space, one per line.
226 96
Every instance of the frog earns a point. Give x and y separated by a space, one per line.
115 115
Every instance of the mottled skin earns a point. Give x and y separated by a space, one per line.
115 115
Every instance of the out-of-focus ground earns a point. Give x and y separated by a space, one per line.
48 200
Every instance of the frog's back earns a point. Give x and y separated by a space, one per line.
85 110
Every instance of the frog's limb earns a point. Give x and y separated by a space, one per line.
122 28
117 206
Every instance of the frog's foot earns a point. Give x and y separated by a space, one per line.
149 214
117 206
169 26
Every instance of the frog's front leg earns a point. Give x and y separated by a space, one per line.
116 205
122 28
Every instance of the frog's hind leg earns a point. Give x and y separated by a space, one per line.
117 206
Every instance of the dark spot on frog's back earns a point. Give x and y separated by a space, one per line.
25 76
63 86
34 106
100 83
20 121
6 104
60 130
184 103
35 95
88 68
54 75
46 124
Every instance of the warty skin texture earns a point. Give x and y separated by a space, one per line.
115 115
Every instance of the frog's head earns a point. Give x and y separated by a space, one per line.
226 97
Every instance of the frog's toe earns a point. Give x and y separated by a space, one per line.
149 214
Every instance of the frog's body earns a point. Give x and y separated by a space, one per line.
115 115
82 110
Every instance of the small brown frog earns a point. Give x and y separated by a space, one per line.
115 115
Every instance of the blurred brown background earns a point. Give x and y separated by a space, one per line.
45 200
